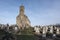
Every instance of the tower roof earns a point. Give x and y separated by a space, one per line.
22 6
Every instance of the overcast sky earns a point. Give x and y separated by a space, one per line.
39 12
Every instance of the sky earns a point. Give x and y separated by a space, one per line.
39 12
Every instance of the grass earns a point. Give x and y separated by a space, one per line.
26 34
28 31
26 37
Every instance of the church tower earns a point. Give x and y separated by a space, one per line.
22 20
21 11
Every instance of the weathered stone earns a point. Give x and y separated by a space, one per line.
22 20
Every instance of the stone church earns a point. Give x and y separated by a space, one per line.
22 20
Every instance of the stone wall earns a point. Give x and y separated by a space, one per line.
22 20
